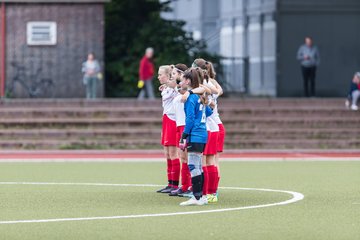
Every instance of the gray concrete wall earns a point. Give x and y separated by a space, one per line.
269 33
334 25
262 47
232 44
80 29
210 27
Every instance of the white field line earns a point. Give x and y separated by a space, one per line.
295 197
237 159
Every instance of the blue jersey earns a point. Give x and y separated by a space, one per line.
195 119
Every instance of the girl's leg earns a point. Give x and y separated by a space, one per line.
168 170
195 166
175 166
205 175
168 162
220 148
217 165
185 173
213 175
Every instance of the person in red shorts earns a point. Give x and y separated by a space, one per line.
221 136
211 163
210 169
168 134
177 72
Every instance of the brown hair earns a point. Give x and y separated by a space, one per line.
180 66
205 65
195 75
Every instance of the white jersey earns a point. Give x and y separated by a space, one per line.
213 121
211 125
215 110
168 95
179 111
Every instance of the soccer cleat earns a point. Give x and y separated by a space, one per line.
160 190
212 198
193 202
168 190
204 200
188 194
176 192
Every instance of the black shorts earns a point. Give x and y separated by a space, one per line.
196 147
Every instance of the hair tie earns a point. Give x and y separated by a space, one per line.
179 70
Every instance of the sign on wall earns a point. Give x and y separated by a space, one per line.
41 33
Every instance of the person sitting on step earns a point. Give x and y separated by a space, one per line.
354 93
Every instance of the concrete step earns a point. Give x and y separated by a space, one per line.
128 123
155 144
79 133
294 144
155 122
78 112
154 133
151 111
238 102
306 133
54 103
80 144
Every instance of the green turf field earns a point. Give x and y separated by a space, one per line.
330 209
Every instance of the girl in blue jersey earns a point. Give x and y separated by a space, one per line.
194 136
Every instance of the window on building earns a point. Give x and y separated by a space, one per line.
41 33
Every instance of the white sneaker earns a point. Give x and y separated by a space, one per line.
354 107
204 199
193 201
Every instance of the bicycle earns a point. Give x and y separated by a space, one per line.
36 88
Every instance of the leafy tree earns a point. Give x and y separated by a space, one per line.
131 27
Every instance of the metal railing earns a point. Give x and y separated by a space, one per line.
235 74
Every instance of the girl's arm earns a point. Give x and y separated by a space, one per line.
162 87
213 89
199 90
219 90
206 89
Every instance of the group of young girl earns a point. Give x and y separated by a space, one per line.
192 132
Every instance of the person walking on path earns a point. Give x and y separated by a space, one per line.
309 57
91 70
146 74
